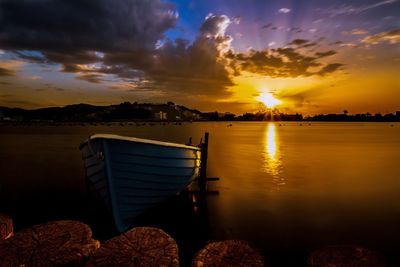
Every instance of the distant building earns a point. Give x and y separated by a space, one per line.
160 115
190 115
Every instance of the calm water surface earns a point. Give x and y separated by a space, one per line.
285 187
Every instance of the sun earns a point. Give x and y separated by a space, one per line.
269 100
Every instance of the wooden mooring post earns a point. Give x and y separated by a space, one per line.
199 190
202 180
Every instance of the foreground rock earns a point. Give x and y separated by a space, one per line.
142 246
6 226
58 243
345 256
228 253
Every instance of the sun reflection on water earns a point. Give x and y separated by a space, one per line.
272 156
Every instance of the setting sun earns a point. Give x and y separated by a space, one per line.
269 100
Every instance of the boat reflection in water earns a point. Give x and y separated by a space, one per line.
272 156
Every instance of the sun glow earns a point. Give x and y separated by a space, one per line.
269 100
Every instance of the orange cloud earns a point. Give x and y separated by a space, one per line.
392 37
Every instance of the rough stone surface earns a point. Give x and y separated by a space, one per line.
57 243
345 256
6 226
142 246
228 253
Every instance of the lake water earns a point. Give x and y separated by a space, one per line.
284 187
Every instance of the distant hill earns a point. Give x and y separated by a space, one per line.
90 113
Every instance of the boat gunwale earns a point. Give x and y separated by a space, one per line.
136 140
153 165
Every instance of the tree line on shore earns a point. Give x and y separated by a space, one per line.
169 112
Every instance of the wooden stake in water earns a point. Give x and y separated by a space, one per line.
203 165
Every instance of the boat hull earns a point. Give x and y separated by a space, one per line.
133 176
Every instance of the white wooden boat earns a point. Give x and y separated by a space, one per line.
132 174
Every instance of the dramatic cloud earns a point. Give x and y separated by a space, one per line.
84 25
198 67
81 34
124 41
284 62
175 67
122 38
353 10
392 37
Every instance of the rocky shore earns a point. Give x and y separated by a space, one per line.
70 243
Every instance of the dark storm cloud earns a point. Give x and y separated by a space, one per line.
116 34
84 25
176 66
6 72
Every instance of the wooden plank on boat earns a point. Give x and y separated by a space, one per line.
57 243
145 170
6 226
147 150
142 246
94 169
228 253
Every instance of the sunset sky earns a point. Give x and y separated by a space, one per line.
311 56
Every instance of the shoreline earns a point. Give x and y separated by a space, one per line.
151 246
